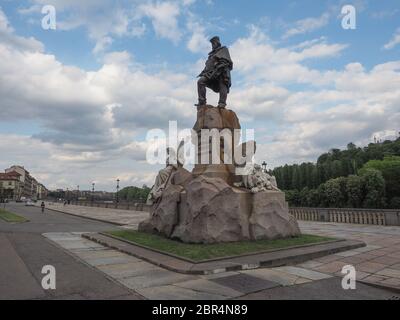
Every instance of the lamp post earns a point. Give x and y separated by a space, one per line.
117 196
93 184
264 166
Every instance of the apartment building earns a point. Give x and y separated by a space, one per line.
28 186
10 186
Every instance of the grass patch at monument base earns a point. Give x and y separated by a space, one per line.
201 252
11 217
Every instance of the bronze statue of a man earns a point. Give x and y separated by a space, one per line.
217 74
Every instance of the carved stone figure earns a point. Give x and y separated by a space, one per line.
216 74
163 176
160 184
257 180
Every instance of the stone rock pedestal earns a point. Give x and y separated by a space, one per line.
205 207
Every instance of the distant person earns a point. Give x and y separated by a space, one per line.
42 206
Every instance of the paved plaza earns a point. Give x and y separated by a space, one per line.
54 236
155 283
378 262
127 218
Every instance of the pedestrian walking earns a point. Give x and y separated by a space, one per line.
42 206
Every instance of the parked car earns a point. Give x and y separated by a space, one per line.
29 203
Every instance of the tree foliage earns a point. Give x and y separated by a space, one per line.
355 177
134 193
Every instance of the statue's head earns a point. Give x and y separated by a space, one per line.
215 42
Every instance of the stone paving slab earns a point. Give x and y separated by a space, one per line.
107 253
304 273
127 270
122 258
154 278
274 275
392 273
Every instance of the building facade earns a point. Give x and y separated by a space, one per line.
26 186
11 186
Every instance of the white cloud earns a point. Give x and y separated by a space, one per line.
258 59
307 25
394 41
106 20
8 36
102 44
164 17
198 42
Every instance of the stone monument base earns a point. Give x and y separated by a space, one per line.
202 209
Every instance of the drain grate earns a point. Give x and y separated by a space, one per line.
394 298
245 283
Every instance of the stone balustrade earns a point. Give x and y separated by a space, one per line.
136 206
382 217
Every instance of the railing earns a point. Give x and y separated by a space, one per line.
137 206
381 217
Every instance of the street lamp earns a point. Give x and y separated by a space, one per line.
264 166
117 197
93 184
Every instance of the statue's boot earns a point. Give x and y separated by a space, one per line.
200 104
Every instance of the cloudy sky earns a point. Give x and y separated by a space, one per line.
76 102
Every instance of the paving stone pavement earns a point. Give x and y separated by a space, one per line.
156 283
378 262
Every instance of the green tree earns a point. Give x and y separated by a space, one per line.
354 190
374 186
333 193
313 198
323 201
296 178
293 197
304 197
390 169
395 203
134 193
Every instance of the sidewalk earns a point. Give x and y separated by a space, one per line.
126 218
